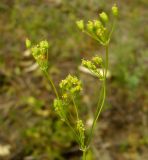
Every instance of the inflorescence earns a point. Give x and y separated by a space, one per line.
97 29
94 65
71 86
40 53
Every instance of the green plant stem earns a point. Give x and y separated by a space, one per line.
94 37
51 82
106 64
99 109
102 96
112 29
76 109
57 95
84 155
72 129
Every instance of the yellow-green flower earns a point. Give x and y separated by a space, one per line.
28 43
80 24
40 53
115 10
104 17
94 66
71 84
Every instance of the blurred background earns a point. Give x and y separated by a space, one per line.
29 127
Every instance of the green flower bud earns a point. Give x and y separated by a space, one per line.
40 53
44 45
71 85
89 65
80 126
97 24
90 26
81 129
104 17
28 43
43 65
97 60
93 66
99 32
35 52
59 107
96 29
65 96
80 24
115 10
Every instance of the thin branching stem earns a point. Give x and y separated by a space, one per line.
112 29
57 95
74 132
102 97
76 109
52 84
94 37
99 109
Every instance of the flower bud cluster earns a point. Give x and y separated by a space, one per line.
60 108
93 66
70 85
80 126
40 53
81 129
97 28
97 60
